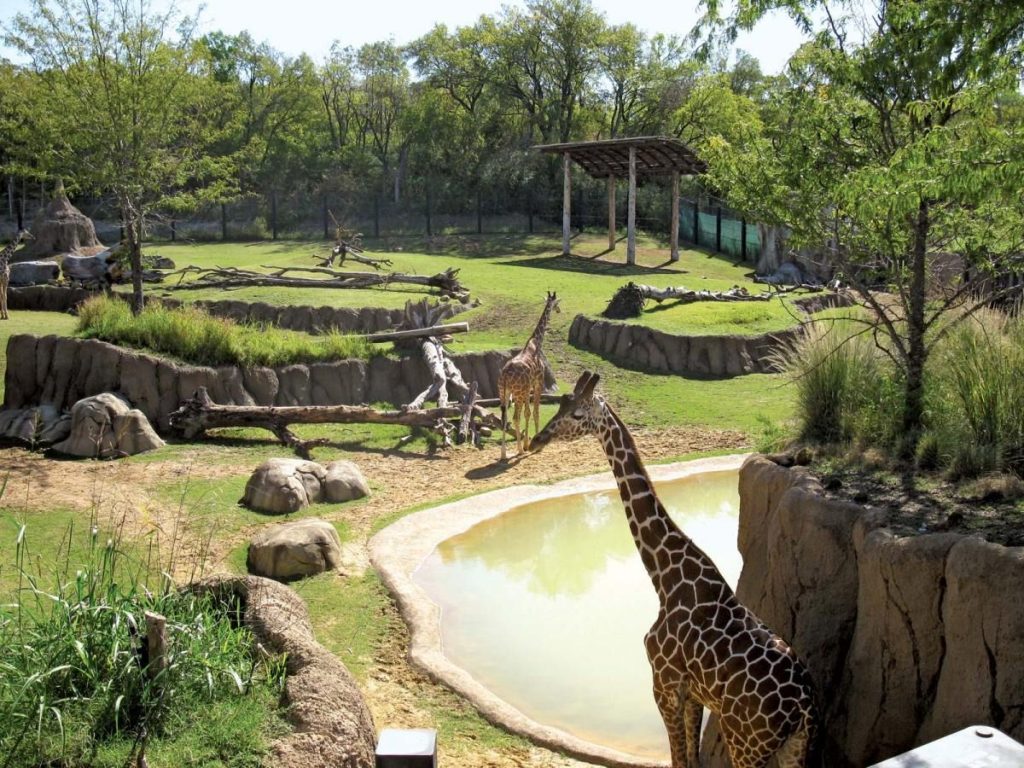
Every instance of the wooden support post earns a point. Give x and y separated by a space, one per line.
696 222
611 212
718 229
479 213
223 221
566 202
10 198
674 227
743 239
174 231
273 215
631 210
156 643
376 215
325 212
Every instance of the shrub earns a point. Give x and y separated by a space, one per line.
73 674
839 380
193 335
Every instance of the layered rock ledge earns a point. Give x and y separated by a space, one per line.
60 371
908 638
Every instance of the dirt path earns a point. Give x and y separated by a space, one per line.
402 479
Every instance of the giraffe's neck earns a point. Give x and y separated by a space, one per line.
537 337
661 543
8 252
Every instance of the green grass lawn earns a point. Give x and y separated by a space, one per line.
510 275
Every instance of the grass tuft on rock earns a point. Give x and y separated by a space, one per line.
194 336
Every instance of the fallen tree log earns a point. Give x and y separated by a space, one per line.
199 414
415 333
446 282
630 299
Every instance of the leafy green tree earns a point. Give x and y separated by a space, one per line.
117 74
891 154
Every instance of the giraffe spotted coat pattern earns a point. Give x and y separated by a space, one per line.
705 648
5 269
521 381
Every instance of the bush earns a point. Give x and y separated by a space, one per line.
194 336
74 677
839 379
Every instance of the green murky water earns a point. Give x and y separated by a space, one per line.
547 606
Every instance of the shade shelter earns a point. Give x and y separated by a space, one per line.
626 159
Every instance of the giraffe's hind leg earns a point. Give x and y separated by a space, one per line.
516 409
3 299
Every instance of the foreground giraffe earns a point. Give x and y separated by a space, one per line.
5 269
705 648
521 381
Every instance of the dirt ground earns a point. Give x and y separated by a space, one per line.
124 491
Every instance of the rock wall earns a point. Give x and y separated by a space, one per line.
908 639
644 348
308 319
60 371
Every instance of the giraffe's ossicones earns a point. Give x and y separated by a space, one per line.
706 649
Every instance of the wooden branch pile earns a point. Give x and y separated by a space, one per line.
348 244
447 282
199 414
630 299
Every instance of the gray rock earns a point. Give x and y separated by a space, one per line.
280 486
34 272
344 482
105 426
294 550
36 426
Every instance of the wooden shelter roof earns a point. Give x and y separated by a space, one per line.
610 157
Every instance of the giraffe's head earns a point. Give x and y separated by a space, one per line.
23 234
579 414
552 302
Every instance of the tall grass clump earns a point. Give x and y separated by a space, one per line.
976 401
194 336
839 379
75 685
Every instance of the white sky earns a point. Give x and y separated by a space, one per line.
310 26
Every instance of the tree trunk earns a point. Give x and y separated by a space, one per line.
913 404
131 224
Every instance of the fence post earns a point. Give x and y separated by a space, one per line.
743 239
22 208
430 232
273 214
223 221
529 209
479 213
323 209
696 222
718 229
376 215
174 233
10 198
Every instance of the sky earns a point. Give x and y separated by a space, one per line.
311 26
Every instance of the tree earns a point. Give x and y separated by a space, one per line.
118 74
892 157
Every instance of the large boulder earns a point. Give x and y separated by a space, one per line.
344 482
294 550
61 228
105 426
99 269
280 486
34 272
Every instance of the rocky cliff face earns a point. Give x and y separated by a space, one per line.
60 371
907 638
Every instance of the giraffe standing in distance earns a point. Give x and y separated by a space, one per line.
706 649
521 381
5 269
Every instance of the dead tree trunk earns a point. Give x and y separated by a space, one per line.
630 299
199 414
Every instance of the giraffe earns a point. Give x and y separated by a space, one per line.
521 380
5 269
705 648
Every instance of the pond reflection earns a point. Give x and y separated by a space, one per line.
547 606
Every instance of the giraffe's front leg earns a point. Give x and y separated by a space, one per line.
673 702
